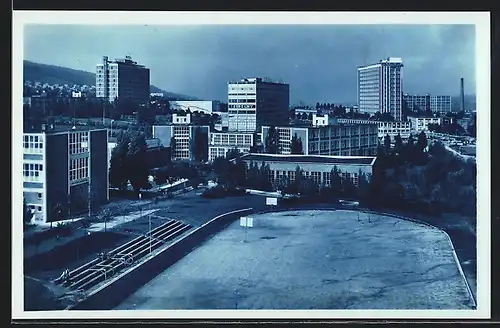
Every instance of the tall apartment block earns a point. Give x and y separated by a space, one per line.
123 79
253 103
61 168
380 88
441 104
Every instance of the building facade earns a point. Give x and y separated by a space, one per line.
440 104
380 88
419 124
183 134
222 142
64 172
205 106
403 128
330 140
122 79
318 168
253 102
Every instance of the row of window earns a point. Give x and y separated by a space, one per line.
317 177
78 169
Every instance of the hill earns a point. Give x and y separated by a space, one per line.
52 74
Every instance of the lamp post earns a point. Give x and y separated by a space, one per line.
111 133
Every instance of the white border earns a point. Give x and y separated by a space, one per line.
480 19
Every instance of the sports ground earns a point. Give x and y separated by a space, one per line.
313 260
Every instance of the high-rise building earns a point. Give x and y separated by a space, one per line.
440 104
65 171
254 102
123 79
380 88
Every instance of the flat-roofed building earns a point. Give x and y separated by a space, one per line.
222 142
318 168
391 128
65 171
254 102
331 140
419 124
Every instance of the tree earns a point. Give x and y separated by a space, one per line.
118 171
27 214
233 153
200 145
264 182
398 144
363 186
387 143
137 167
252 175
271 144
335 181
309 117
421 142
296 147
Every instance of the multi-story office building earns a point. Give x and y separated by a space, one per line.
222 142
380 88
318 168
123 79
254 102
64 170
403 128
331 140
419 124
440 104
183 133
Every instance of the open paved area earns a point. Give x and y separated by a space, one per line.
313 260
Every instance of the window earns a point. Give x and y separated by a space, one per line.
39 195
39 208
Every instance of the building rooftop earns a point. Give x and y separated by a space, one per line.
58 128
363 160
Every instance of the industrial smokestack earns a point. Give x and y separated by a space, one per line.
462 97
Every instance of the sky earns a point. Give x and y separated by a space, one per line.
318 61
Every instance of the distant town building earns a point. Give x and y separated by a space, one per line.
318 168
305 110
403 128
222 142
63 170
419 124
254 102
321 120
380 88
181 119
123 79
440 104
332 140
204 106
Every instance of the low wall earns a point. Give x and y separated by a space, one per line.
122 286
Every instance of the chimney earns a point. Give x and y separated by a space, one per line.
462 97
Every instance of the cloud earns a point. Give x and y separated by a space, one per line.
319 61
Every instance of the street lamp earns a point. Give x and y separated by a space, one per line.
111 133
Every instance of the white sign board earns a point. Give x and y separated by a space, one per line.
246 222
271 201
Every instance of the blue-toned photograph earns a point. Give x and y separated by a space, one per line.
249 167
